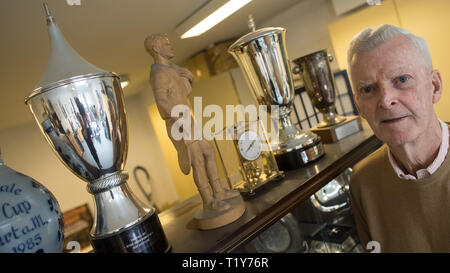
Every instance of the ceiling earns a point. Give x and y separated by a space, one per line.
108 33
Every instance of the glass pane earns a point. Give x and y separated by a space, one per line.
298 105
308 105
346 101
341 85
339 104
321 224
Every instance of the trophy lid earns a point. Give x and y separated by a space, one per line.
64 62
254 34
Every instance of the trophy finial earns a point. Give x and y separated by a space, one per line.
64 61
47 11
50 18
251 23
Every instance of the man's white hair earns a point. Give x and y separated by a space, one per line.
370 38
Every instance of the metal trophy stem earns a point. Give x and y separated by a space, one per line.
80 111
319 83
262 57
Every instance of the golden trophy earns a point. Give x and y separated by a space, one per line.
315 70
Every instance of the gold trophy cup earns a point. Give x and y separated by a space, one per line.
315 70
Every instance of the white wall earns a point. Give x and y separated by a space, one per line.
307 27
144 150
25 150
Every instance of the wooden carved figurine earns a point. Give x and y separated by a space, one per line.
171 86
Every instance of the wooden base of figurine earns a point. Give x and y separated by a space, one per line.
207 219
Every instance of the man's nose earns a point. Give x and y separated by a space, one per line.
387 96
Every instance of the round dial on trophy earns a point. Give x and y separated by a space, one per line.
249 145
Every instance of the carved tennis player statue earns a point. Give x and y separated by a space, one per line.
171 86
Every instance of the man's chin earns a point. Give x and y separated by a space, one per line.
396 139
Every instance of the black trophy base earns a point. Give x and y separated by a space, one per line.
146 236
300 157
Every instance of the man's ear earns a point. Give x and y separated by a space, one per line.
156 47
436 81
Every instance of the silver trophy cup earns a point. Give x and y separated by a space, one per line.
83 119
262 57
319 84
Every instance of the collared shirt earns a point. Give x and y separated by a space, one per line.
422 173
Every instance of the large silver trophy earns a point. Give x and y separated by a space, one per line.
262 56
315 70
79 109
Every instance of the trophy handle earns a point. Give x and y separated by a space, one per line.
330 58
297 70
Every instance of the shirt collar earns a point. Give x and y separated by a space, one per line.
422 173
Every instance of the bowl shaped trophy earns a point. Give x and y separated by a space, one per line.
319 83
80 111
315 70
31 220
262 57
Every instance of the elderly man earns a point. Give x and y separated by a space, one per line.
401 192
172 85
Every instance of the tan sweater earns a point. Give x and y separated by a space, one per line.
401 215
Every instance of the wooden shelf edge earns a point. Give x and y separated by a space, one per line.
248 231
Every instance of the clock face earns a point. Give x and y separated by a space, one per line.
249 145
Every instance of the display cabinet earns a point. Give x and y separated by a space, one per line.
308 211
323 223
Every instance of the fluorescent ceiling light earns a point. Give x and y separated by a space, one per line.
214 18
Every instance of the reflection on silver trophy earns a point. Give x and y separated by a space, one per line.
319 84
79 109
262 57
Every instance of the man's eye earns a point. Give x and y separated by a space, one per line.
366 89
403 79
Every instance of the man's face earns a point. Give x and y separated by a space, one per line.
164 48
394 91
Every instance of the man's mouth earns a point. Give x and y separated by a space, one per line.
393 120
